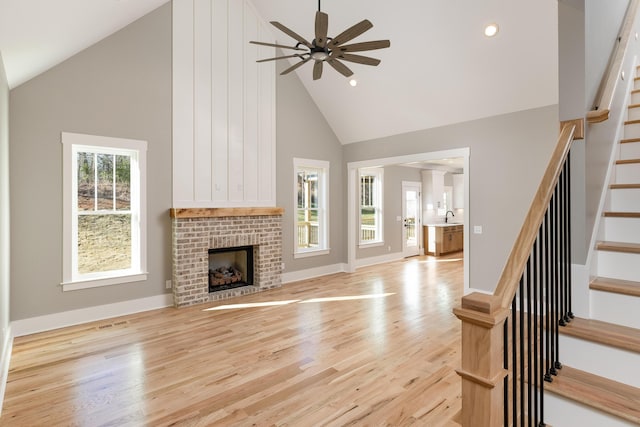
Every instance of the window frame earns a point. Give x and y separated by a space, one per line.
323 207
377 173
73 143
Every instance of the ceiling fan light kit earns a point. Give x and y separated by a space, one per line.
326 49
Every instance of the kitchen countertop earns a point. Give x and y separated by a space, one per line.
442 224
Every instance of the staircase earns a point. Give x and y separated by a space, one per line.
601 355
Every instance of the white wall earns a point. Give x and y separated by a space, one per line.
223 106
4 228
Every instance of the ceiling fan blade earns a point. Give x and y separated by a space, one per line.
294 66
277 45
322 26
317 70
358 59
359 47
350 33
292 34
340 67
278 57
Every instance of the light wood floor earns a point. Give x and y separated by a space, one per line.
377 347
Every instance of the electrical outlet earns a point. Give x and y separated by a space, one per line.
282 266
389 248
477 229
167 284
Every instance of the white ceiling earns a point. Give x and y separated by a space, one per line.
439 70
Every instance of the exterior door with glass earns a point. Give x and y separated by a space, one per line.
411 218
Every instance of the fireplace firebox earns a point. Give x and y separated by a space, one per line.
230 268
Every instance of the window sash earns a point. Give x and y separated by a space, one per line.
370 228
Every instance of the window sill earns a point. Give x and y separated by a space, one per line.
311 253
103 281
370 245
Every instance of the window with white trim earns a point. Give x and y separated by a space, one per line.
371 216
311 198
104 208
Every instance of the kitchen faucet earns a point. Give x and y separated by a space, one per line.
446 216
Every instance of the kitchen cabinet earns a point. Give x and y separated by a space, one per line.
442 239
458 191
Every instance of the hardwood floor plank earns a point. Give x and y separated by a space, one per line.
375 347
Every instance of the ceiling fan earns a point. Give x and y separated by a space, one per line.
326 49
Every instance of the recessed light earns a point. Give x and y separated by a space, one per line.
491 30
353 82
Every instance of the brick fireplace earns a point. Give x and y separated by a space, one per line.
195 231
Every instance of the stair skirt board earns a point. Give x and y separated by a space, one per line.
619 265
621 230
600 359
630 150
627 200
562 412
615 308
628 174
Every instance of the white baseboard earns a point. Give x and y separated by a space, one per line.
480 291
310 273
381 259
90 314
5 358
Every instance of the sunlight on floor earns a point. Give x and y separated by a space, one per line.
312 300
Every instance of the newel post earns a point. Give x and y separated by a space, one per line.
482 368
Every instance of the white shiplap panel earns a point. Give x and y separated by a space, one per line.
202 100
236 101
250 146
266 121
182 70
220 99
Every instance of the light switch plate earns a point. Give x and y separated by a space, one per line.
477 229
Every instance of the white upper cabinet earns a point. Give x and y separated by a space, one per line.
223 106
458 191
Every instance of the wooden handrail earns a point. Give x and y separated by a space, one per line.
508 283
604 96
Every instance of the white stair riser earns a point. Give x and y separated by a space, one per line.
588 356
627 200
630 150
635 98
633 113
562 412
615 308
632 131
628 173
622 229
619 265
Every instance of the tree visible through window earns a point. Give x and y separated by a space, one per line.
311 206
104 203
371 205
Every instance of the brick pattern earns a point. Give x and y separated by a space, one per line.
193 237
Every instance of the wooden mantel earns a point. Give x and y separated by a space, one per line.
222 212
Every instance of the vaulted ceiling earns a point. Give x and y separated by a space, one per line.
439 70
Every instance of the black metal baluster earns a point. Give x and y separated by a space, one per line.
522 355
561 264
505 362
514 361
547 292
569 277
556 286
536 301
530 390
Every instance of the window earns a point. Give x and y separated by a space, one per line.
371 181
311 232
104 221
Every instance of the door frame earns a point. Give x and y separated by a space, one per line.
352 198
418 225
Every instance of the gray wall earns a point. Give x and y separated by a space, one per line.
602 25
4 212
573 105
392 198
508 155
302 131
119 87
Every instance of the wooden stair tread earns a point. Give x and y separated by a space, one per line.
634 105
629 140
632 122
605 333
617 286
610 396
633 248
623 186
627 161
622 214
